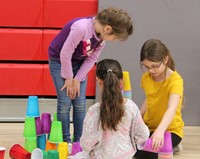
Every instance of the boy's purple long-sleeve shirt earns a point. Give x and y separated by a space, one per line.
76 43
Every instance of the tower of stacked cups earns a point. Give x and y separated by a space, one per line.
165 152
40 132
126 90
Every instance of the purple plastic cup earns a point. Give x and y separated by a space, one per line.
167 147
46 123
38 126
76 148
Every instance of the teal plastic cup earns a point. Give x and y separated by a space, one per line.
41 141
29 127
56 135
30 144
45 154
32 107
52 154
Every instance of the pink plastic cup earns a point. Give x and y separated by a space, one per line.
2 152
167 147
76 148
148 146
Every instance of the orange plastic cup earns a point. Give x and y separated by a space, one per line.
50 146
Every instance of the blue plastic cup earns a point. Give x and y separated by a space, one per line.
127 94
41 141
32 107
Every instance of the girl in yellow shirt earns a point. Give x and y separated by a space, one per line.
163 87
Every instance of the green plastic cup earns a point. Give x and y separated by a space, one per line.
56 135
55 117
29 127
52 154
30 144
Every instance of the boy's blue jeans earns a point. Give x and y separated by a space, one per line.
64 103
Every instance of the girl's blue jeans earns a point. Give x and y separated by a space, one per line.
64 103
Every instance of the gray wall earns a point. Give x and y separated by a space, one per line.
177 24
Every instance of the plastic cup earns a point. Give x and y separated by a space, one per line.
30 143
38 126
55 116
76 148
167 147
63 150
56 135
127 82
52 154
46 123
41 141
37 154
29 127
50 146
127 94
33 107
44 154
2 152
165 155
18 152
148 146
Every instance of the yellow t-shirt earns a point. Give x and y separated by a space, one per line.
157 96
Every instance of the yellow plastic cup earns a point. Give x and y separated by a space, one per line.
127 82
63 150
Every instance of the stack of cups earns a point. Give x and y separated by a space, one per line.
30 134
167 151
32 125
126 85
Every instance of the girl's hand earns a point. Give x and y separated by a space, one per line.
68 86
157 140
75 88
